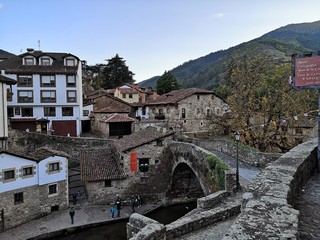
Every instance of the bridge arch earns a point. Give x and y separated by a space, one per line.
190 171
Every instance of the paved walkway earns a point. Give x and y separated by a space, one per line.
84 215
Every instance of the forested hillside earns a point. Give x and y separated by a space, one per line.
208 71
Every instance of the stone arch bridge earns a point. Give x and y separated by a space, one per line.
191 175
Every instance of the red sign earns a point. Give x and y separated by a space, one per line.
307 72
133 161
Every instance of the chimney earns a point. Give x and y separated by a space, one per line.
30 50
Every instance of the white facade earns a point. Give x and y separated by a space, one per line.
50 84
41 173
3 111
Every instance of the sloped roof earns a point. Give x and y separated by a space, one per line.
100 164
140 138
5 54
113 109
38 155
177 95
7 80
118 118
14 64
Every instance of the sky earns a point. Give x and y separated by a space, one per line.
152 36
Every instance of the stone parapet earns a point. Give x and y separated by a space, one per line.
255 158
211 200
141 227
268 211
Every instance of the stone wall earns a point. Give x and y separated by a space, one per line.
27 142
36 203
229 147
211 200
268 211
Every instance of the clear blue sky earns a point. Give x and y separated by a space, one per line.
151 35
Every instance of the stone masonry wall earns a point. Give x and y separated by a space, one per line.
28 142
36 203
268 211
229 147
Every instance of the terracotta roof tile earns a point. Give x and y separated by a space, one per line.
100 164
177 95
118 118
140 138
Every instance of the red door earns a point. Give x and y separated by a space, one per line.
62 128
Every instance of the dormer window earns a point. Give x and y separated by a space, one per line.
45 61
29 61
70 62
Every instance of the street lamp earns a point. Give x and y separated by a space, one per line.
237 137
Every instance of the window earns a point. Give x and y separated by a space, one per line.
9 174
208 112
198 97
10 112
25 81
143 110
49 111
29 61
18 198
70 62
159 142
85 112
130 95
27 112
25 96
48 96
71 96
52 189
48 81
107 183
183 113
67 111
9 95
45 61
17 111
54 167
144 164
27 171
123 95
71 81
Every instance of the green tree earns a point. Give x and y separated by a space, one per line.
116 73
167 83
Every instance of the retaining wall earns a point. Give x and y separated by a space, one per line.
269 209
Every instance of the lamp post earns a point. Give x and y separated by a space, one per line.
237 137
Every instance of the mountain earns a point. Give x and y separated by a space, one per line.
207 71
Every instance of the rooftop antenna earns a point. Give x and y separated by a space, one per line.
39 44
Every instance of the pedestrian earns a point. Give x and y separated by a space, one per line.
139 201
132 202
118 203
113 209
71 213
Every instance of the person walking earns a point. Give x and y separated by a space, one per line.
72 213
132 202
113 209
118 203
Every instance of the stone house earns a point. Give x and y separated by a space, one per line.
131 167
103 174
110 116
33 185
190 109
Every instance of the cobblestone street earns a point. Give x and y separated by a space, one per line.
309 206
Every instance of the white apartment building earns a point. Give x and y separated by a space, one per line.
48 95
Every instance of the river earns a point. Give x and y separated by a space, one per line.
117 230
